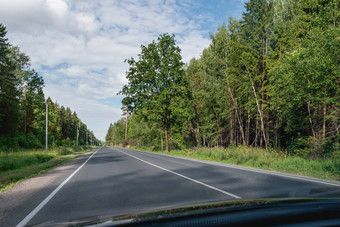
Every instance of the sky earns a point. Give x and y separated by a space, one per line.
79 46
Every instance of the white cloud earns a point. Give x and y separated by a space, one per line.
80 46
192 45
58 7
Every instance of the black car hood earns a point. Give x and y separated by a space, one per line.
245 212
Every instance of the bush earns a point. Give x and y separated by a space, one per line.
32 141
65 151
299 146
333 166
14 143
22 140
15 160
331 146
9 143
67 142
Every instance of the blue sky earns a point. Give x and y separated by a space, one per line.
79 47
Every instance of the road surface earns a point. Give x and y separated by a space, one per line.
115 181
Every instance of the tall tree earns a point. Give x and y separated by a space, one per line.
155 81
10 63
257 28
269 79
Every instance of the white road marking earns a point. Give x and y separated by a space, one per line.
180 175
48 198
303 178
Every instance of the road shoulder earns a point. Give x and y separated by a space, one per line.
252 169
25 196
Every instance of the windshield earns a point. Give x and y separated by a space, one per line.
111 108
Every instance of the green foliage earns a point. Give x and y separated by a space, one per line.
157 84
269 80
270 160
10 161
67 142
116 132
19 165
22 106
10 114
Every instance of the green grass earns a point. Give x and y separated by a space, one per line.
18 166
269 160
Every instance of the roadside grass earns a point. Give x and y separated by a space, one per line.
21 165
326 168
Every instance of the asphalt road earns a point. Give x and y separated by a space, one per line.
115 181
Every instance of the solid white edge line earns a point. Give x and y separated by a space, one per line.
180 175
287 175
48 198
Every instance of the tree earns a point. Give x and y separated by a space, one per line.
257 28
10 113
156 80
22 105
307 81
269 79
126 112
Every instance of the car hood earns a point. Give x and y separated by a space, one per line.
266 207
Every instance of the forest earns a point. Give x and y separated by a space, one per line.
270 80
23 108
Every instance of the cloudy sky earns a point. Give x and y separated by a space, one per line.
79 47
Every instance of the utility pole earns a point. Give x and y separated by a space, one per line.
46 135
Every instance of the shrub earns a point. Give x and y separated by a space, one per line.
32 141
67 142
65 151
8 143
299 146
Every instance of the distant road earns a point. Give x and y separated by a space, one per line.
115 181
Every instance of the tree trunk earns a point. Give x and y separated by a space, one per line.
248 127
310 119
256 131
259 110
25 127
276 131
267 128
261 139
196 131
166 139
236 111
324 120
126 124
231 129
236 131
166 126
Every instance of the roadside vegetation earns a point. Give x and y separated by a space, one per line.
20 165
23 107
23 121
266 92
260 158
